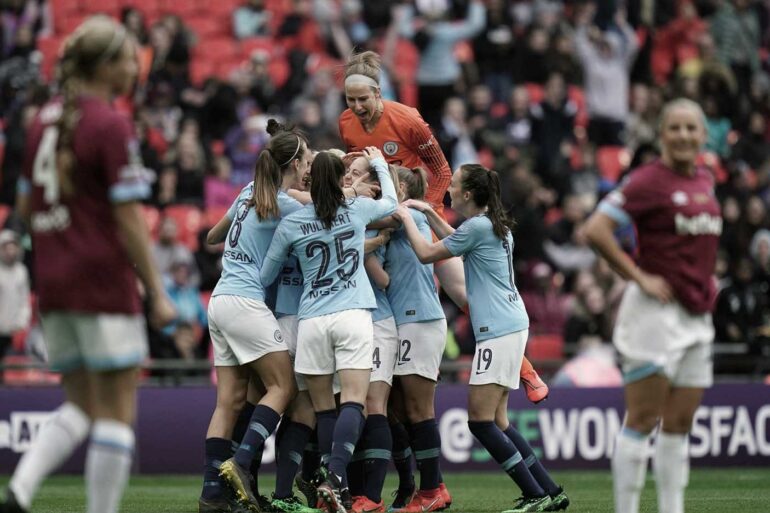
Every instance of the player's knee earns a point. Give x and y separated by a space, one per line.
677 423
642 421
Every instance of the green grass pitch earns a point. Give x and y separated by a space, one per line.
717 491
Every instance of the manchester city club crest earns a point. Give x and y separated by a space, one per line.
278 336
390 148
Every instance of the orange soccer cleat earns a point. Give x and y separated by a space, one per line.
535 387
362 504
425 501
445 494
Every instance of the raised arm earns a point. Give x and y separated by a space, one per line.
387 204
429 151
427 252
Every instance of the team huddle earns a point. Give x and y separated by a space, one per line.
326 318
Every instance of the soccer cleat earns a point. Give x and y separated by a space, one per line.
10 505
241 482
445 494
559 502
291 504
330 491
211 505
535 387
424 501
403 496
362 504
347 499
265 504
530 504
308 490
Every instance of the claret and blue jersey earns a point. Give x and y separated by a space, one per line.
246 245
495 305
331 259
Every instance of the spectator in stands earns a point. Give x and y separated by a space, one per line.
642 119
436 36
454 135
208 261
261 85
561 58
189 162
163 111
718 127
185 297
547 306
494 48
133 19
736 31
168 249
516 125
251 20
606 58
15 310
553 123
243 143
530 64
32 18
566 245
588 318
584 179
741 307
752 147
218 188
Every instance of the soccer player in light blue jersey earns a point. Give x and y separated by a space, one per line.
335 325
245 334
422 336
500 323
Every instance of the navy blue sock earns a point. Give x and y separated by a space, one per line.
242 424
355 470
402 455
530 460
311 458
426 443
347 430
263 422
291 445
325 422
217 451
505 453
377 451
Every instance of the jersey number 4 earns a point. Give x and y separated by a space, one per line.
44 168
343 255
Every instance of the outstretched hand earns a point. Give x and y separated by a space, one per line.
372 152
422 206
363 188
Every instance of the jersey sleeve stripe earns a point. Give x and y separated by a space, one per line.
615 213
125 192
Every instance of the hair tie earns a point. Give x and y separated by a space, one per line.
357 78
118 38
299 143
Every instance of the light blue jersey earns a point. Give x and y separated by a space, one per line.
383 310
332 261
290 286
412 292
495 304
246 245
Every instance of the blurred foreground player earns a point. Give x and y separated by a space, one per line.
664 331
83 182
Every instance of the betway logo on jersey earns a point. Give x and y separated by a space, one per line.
18 433
702 224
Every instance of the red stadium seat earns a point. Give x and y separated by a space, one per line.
217 49
213 215
611 161
183 8
49 48
189 220
65 25
111 7
5 211
150 8
545 347
267 44
207 26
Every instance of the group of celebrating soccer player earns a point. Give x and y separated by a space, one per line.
326 318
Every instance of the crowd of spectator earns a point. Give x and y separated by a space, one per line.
561 98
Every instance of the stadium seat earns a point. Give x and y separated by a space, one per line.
188 219
217 49
111 7
212 215
207 26
5 211
49 48
185 8
611 161
65 25
250 44
545 347
149 8
200 70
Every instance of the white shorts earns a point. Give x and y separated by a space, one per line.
242 330
385 350
498 360
96 342
420 348
656 338
337 341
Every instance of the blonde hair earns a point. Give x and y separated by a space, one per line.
98 40
368 64
682 103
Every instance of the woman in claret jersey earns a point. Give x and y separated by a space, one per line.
664 331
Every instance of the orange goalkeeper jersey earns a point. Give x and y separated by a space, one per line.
406 140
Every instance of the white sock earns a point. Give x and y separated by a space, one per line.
671 464
108 464
57 439
629 467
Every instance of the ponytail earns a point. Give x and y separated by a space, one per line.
484 186
325 174
66 124
285 146
416 181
